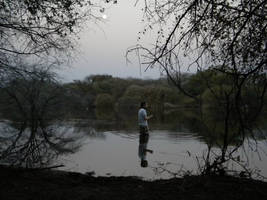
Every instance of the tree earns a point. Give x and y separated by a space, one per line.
31 29
223 36
227 36
33 103
104 106
34 31
105 101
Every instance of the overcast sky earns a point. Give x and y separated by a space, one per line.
102 47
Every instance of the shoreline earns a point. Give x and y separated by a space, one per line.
20 183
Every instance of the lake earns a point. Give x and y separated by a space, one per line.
115 153
179 142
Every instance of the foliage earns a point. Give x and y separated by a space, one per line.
208 37
104 101
34 31
104 106
226 35
32 102
29 97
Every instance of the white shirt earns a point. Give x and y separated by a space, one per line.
142 117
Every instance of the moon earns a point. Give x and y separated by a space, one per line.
104 16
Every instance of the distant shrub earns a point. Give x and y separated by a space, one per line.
105 101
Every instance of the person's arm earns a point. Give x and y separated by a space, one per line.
148 117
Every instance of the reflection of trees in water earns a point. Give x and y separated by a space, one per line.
33 101
223 138
88 128
210 126
21 146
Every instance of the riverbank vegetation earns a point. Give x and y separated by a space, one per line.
36 101
87 98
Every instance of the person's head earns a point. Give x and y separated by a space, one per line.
144 163
143 104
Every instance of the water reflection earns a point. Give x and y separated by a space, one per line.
142 149
183 139
223 132
38 147
86 128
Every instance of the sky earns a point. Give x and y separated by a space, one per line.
102 47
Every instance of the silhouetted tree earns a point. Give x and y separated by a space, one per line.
33 104
31 30
225 37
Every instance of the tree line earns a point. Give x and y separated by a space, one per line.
40 95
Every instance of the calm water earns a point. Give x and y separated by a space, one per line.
112 149
115 153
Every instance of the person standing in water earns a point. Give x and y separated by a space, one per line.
143 118
144 136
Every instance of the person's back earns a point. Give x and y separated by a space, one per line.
142 118
142 115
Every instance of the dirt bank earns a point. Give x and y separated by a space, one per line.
24 184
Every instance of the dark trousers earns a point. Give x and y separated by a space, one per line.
143 130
